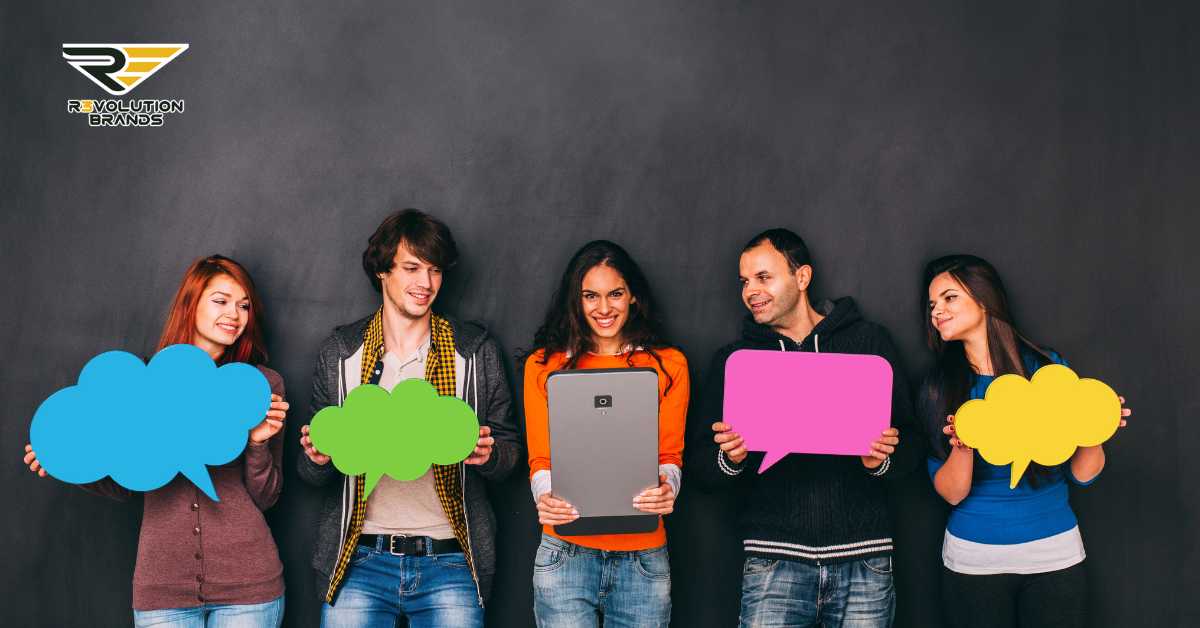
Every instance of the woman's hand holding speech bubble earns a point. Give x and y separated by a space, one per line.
949 431
1087 462
32 461
272 423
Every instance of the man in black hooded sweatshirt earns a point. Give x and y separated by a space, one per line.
816 529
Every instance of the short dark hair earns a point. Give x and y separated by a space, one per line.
787 242
427 237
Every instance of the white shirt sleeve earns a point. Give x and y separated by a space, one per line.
674 476
539 484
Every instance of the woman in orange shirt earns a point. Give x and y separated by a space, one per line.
603 316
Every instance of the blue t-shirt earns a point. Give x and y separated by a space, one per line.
994 514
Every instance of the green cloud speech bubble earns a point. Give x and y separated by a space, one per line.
400 434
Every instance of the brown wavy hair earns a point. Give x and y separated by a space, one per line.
565 329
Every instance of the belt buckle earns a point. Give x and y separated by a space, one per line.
420 549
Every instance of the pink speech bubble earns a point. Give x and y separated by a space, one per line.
784 402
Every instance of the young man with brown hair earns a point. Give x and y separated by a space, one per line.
423 549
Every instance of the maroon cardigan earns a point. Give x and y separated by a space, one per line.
195 551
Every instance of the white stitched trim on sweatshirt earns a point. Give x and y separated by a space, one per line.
724 466
818 553
824 549
883 468
811 556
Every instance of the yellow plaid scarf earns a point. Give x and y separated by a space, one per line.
447 479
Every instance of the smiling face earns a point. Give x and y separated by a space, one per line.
770 290
605 299
412 285
221 315
953 312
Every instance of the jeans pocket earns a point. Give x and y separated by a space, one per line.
881 565
548 558
456 560
755 565
654 564
361 555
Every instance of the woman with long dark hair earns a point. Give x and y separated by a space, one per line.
603 315
1012 557
200 562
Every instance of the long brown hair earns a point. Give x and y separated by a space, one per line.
949 383
565 328
180 327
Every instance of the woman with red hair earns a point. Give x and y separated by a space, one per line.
203 563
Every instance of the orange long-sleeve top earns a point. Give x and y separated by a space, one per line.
672 417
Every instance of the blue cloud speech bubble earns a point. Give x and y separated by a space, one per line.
143 423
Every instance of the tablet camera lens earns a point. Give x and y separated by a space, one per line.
604 401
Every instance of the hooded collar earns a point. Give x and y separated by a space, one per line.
839 314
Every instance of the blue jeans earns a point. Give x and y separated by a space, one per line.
573 585
853 594
431 591
264 615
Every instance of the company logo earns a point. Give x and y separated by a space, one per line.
118 69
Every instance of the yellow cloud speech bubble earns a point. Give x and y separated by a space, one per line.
1042 419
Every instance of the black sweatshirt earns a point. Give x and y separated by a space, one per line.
817 509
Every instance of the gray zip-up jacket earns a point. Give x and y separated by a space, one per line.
485 388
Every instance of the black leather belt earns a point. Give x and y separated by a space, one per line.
402 545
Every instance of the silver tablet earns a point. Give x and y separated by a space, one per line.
604 446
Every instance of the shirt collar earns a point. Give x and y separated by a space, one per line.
420 355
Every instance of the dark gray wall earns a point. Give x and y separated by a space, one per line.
1057 139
